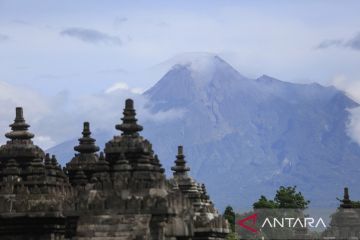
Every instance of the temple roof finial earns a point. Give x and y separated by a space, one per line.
19 114
180 163
86 143
346 202
180 150
19 127
129 125
346 194
54 161
101 157
205 194
47 159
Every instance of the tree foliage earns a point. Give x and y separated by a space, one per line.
229 215
285 197
263 202
288 197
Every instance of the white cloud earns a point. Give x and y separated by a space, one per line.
352 89
137 90
353 127
117 86
35 105
44 141
37 109
59 118
279 45
105 109
123 86
167 115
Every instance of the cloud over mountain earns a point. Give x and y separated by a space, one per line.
351 87
57 118
123 86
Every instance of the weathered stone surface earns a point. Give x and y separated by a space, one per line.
345 222
122 194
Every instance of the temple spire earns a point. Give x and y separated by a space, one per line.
47 159
346 202
205 195
129 125
346 194
86 143
180 163
19 127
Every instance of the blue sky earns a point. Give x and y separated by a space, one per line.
53 52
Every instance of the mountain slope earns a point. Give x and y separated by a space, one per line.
244 138
257 134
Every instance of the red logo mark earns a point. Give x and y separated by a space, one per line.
241 223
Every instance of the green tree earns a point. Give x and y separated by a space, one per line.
285 198
263 202
229 215
288 197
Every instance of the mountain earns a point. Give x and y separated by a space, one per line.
246 137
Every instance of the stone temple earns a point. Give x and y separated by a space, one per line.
345 222
121 193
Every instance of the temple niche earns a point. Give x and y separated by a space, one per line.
120 193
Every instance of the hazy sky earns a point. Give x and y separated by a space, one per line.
52 52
